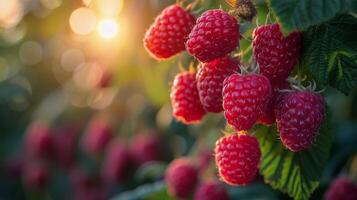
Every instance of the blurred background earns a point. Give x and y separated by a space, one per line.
77 88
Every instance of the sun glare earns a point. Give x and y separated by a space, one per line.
108 28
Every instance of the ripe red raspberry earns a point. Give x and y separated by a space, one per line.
97 136
245 97
64 144
118 163
181 178
215 34
237 158
342 188
299 115
275 54
210 77
168 34
38 140
211 190
146 147
35 175
185 101
268 117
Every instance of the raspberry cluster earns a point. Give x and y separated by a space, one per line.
262 95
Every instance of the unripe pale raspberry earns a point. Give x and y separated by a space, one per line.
35 175
168 34
97 136
215 34
186 104
245 98
38 140
146 146
210 77
118 163
211 190
299 115
237 158
275 54
341 188
181 178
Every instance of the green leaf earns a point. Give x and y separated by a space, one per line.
296 174
330 51
301 14
149 191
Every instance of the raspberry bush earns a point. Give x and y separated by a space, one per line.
178 100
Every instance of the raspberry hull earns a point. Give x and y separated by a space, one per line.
210 79
299 116
215 34
168 34
237 158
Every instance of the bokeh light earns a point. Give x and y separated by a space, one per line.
82 21
109 8
4 69
51 4
11 12
108 28
71 59
30 53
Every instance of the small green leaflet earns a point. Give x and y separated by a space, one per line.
297 174
330 53
301 14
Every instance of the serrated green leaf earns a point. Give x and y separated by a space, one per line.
297 174
329 53
301 14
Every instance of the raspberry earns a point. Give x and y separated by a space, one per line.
237 158
210 79
146 147
98 135
215 34
268 117
181 178
246 9
35 175
38 140
245 98
211 190
185 101
86 187
64 144
275 54
168 34
342 188
117 164
299 115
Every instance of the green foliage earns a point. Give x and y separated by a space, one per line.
149 192
301 14
330 53
297 174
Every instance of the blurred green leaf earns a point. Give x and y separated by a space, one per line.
300 14
254 191
297 174
149 191
150 171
